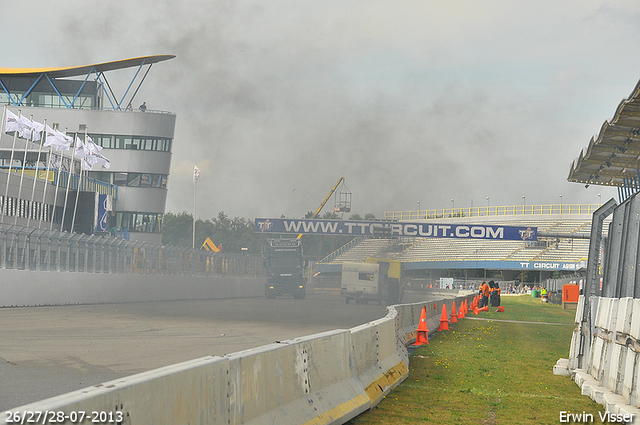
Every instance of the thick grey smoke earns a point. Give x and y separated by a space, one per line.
408 101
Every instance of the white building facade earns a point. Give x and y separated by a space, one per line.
80 102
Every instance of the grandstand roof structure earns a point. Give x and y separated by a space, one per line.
562 245
613 156
19 83
74 71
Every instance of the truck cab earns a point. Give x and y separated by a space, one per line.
283 259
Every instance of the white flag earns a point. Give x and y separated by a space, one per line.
80 153
26 128
93 155
103 160
87 164
92 146
196 173
12 122
57 139
38 128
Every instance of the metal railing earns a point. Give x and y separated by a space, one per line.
26 248
61 178
511 210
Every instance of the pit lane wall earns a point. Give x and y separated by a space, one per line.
326 378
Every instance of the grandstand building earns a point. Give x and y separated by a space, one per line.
79 101
561 248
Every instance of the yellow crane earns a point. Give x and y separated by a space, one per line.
343 204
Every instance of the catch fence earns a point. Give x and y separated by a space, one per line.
27 248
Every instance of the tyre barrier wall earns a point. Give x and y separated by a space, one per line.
612 372
36 288
326 378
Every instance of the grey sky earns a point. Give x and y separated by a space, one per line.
409 101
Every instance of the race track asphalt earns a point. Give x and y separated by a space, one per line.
48 351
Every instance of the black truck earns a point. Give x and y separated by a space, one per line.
285 266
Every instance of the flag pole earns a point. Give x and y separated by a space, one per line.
6 188
3 205
57 185
24 161
71 167
35 179
196 176
84 154
4 126
46 178
75 206
193 242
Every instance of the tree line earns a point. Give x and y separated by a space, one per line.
236 235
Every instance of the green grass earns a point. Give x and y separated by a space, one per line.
489 372
527 309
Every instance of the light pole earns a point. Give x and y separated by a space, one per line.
418 209
196 176
453 206
487 202
599 200
560 203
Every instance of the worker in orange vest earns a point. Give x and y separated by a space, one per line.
485 291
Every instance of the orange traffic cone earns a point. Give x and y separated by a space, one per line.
474 303
461 313
454 313
485 308
423 332
466 307
444 322
500 309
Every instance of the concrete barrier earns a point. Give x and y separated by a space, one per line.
35 288
409 314
295 382
380 360
326 378
189 392
611 374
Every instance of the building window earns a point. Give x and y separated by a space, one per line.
120 179
108 141
131 179
145 180
139 222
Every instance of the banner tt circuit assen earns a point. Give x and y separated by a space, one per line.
395 229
